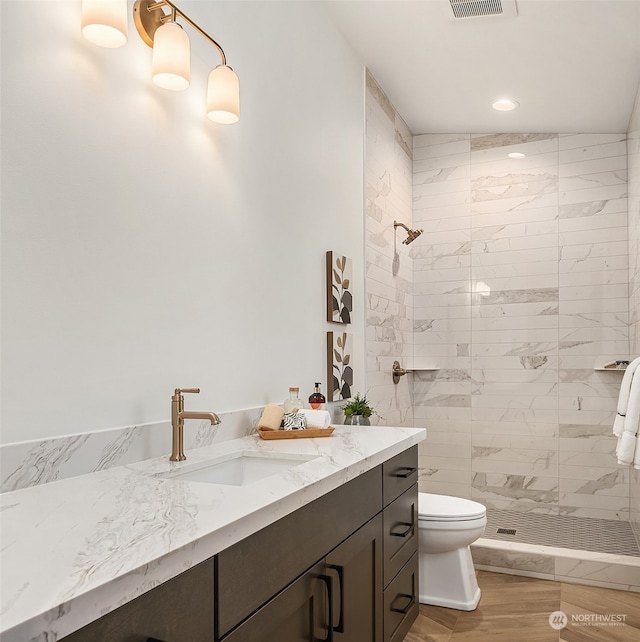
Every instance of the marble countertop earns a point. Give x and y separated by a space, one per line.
76 549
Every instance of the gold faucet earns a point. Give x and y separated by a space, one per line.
178 415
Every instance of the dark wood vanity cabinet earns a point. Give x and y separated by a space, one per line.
363 540
180 610
340 569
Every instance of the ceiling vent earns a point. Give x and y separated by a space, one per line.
483 8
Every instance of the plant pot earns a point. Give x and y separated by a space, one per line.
357 420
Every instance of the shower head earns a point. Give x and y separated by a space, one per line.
412 235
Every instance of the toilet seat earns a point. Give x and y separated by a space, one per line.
444 508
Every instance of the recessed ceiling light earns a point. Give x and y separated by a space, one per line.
505 104
516 155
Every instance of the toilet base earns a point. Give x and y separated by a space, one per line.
449 580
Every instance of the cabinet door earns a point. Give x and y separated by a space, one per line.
180 610
356 569
297 614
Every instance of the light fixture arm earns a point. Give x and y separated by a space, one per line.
147 23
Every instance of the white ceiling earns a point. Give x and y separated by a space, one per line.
574 65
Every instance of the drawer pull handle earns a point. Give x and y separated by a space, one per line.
404 472
403 533
340 571
153 640
329 584
404 610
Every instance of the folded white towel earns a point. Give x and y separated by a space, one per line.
626 449
316 418
623 398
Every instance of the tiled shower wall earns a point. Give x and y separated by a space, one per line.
633 151
389 269
521 289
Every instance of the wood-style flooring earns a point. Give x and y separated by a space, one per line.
517 609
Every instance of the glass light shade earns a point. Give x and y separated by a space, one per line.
104 22
223 96
171 61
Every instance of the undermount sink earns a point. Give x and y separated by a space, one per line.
239 468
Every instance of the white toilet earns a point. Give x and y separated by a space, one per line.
446 527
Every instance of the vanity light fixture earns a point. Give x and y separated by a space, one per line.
516 155
104 22
505 104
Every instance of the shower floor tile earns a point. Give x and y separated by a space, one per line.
562 531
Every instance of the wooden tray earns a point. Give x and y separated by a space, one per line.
295 434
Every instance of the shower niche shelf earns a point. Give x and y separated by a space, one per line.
398 371
612 366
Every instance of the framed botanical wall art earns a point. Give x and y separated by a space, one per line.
339 297
339 368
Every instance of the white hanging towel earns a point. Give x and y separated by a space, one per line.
628 448
623 398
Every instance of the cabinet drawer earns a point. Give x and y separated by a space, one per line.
401 602
252 571
180 610
398 474
400 519
298 614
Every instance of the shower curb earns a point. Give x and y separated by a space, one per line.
559 564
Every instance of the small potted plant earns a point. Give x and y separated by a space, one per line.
357 411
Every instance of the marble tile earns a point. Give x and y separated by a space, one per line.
515 335
503 322
587 167
591 250
614 483
444 149
491 141
431 163
521 238
483 215
542 198
588 181
586 293
594 264
531 350
592 194
581 141
567 567
595 320
536 563
525 193
600 222
514 310
442 181
531 429
495 162
592 152
526 362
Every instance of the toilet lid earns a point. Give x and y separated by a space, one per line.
447 508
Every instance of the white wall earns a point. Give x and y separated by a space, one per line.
144 248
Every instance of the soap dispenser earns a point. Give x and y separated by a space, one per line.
317 399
